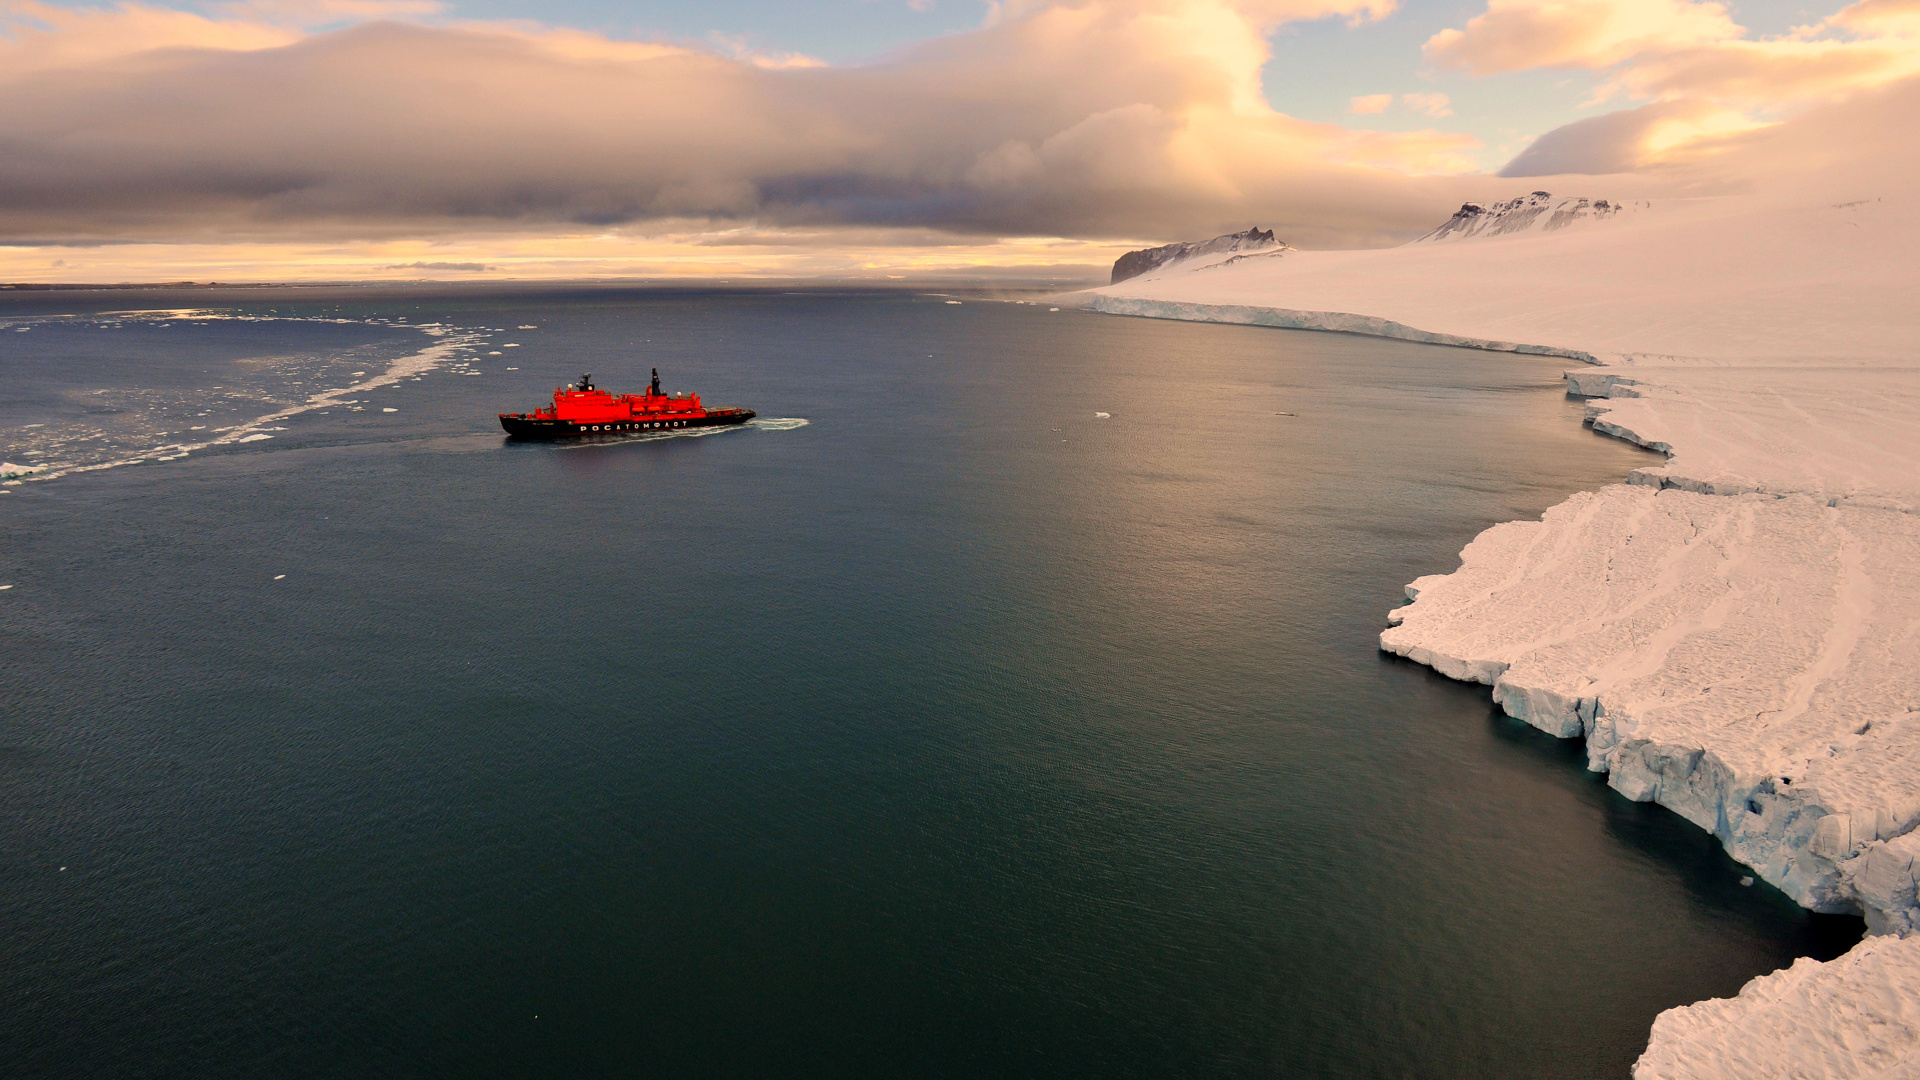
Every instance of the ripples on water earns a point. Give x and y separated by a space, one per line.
957 729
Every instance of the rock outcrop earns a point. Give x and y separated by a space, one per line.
1538 212
1135 263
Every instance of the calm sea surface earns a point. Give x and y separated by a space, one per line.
957 731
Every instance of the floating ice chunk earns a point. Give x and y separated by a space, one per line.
277 577
254 438
494 353
526 327
953 301
9 470
1053 309
3 588
359 373
1103 416
389 410
511 345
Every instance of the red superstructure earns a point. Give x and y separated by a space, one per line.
586 409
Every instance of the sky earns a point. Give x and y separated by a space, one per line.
353 139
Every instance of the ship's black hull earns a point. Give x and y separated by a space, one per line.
523 426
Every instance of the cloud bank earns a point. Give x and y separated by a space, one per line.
1704 79
1058 126
1099 118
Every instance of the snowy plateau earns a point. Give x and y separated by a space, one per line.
1735 633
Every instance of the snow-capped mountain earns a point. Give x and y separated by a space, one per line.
1135 263
1537 212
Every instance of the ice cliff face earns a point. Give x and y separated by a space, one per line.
1746 661
1135 263
1538 212
1734 631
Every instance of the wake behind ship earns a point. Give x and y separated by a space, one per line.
588 410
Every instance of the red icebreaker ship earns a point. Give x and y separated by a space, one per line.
588 410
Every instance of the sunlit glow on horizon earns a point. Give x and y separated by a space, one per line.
389 138
578 257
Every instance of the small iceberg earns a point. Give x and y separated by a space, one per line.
1103 416
10 471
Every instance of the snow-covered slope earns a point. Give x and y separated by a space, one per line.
1535 212
1725 280
1193 256
1735 633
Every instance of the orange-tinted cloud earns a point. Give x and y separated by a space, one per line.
1101 118
1515 34
1705 78
1429 103
39 36
1673 49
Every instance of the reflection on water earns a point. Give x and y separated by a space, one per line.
961 731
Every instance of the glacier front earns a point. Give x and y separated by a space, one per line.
1735 633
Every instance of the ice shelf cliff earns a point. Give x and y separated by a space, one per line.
1735 633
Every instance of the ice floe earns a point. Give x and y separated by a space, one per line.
446 342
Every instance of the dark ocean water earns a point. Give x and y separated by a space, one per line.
956 732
